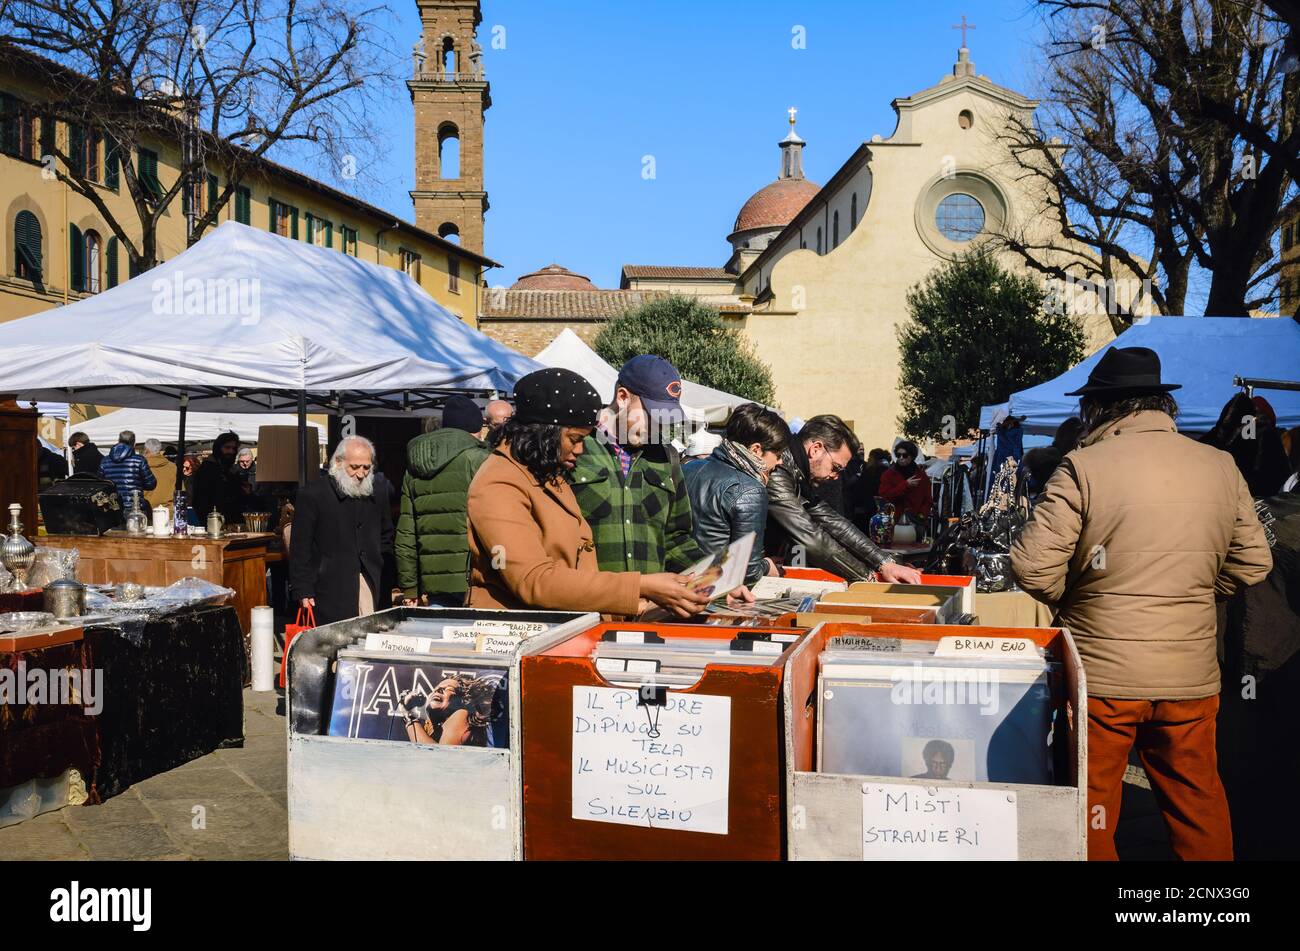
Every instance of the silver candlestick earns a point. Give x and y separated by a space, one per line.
17 553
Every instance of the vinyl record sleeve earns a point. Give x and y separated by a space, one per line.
461 701
936 721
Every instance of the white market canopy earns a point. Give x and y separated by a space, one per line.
245 319
164 425
570 352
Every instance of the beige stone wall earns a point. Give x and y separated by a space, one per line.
22 187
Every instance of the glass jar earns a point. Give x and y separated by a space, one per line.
136 523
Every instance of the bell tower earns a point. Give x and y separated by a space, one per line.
451 95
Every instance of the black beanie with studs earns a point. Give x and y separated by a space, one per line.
556 397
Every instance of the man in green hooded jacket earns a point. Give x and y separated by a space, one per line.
432 545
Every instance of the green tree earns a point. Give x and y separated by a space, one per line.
976 333
692 337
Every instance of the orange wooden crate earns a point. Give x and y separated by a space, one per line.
755 814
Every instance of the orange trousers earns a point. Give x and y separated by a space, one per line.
1175 742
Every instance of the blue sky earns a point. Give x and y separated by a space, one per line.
584 89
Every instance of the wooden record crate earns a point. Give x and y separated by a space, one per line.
755 791
362 799
825 811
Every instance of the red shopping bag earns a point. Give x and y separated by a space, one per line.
290 632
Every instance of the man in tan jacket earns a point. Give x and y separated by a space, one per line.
1138 531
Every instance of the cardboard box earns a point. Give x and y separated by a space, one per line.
826 812
277 454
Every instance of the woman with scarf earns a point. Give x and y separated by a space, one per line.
729 488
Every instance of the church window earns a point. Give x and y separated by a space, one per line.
819 240
959 217
835 232
448 57
449 152
853 213
965 118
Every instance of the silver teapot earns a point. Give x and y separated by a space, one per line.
216 524
17 553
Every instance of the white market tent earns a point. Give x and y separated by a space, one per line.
164 425
570 352
245 321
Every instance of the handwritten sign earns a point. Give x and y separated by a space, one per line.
1004 648
524 628
662 767
463 634
398 643
938 823
505 644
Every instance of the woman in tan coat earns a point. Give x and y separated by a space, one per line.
530 546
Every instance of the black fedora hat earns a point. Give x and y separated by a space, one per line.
1133 370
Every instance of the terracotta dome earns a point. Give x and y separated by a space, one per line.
553 278
776 205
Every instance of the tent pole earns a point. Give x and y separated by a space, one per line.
302 438
180 446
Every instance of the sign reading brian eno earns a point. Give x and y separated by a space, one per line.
926 823
664 767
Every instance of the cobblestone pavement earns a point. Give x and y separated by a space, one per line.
241 792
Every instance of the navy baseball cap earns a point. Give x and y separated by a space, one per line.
656 382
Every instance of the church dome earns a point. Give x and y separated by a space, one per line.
776 205
553 277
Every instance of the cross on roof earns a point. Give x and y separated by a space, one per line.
963 26
793 112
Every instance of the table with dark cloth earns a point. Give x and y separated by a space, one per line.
177 696
42 741
171 695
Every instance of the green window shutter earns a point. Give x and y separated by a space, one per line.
311 228
213 193
243 205
110 263
110 164
47 137
77 150
147 172
329 234
185 200
293 223
77 258
27 242
271 205
9 140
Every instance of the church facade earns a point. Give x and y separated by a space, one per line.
818 276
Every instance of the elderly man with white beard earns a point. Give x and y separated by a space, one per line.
339 530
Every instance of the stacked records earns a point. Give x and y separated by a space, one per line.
429 682
641 658
891 707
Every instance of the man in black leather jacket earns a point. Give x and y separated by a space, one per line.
805 530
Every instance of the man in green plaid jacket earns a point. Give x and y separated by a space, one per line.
629 480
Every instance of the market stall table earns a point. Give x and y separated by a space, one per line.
171 691
237 561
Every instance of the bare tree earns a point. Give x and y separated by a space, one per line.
231 80
1175 128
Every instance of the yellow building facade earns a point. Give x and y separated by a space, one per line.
57 248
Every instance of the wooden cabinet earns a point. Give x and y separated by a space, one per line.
237 562
18 474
